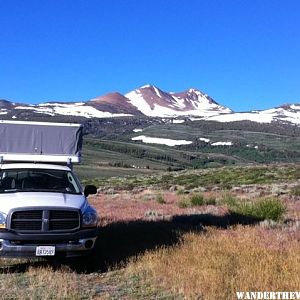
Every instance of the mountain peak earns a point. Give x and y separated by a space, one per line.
193 90
151 87
145 86
152 101
106 97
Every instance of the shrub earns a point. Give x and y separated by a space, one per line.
269 209
263 209
184 203
229 200
160 199
210 201
197 200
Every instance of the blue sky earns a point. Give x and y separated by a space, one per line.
243 53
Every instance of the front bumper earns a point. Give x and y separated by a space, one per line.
66 245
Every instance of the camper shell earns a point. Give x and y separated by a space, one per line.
44 211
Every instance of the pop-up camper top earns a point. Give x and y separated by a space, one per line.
44 210
22 141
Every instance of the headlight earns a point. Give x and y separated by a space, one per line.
89 217
2 220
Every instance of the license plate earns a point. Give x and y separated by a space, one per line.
45 251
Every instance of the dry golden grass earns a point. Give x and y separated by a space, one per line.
211 264
41 283
217 264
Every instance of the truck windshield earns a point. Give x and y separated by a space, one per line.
38 180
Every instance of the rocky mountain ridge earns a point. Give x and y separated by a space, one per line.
150 101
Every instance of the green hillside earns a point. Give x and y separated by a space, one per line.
108 148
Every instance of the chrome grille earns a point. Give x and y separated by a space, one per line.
45 220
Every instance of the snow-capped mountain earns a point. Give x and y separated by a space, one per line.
284 114
152 101
148 101
78 109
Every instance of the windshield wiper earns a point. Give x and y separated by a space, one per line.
9 191
64 191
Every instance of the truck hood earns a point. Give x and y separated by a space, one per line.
40 199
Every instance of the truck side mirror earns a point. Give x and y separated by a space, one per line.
89 189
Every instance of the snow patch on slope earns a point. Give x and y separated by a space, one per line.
255 117
61 104
178 121
70 109
157 92
137 100
204 140
145 86
222 144
179 102
3 112
264 116
162 141
295 106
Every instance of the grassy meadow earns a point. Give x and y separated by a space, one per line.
195 234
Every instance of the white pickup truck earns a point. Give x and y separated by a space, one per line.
44 210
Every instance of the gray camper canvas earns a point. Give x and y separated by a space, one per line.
40 141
